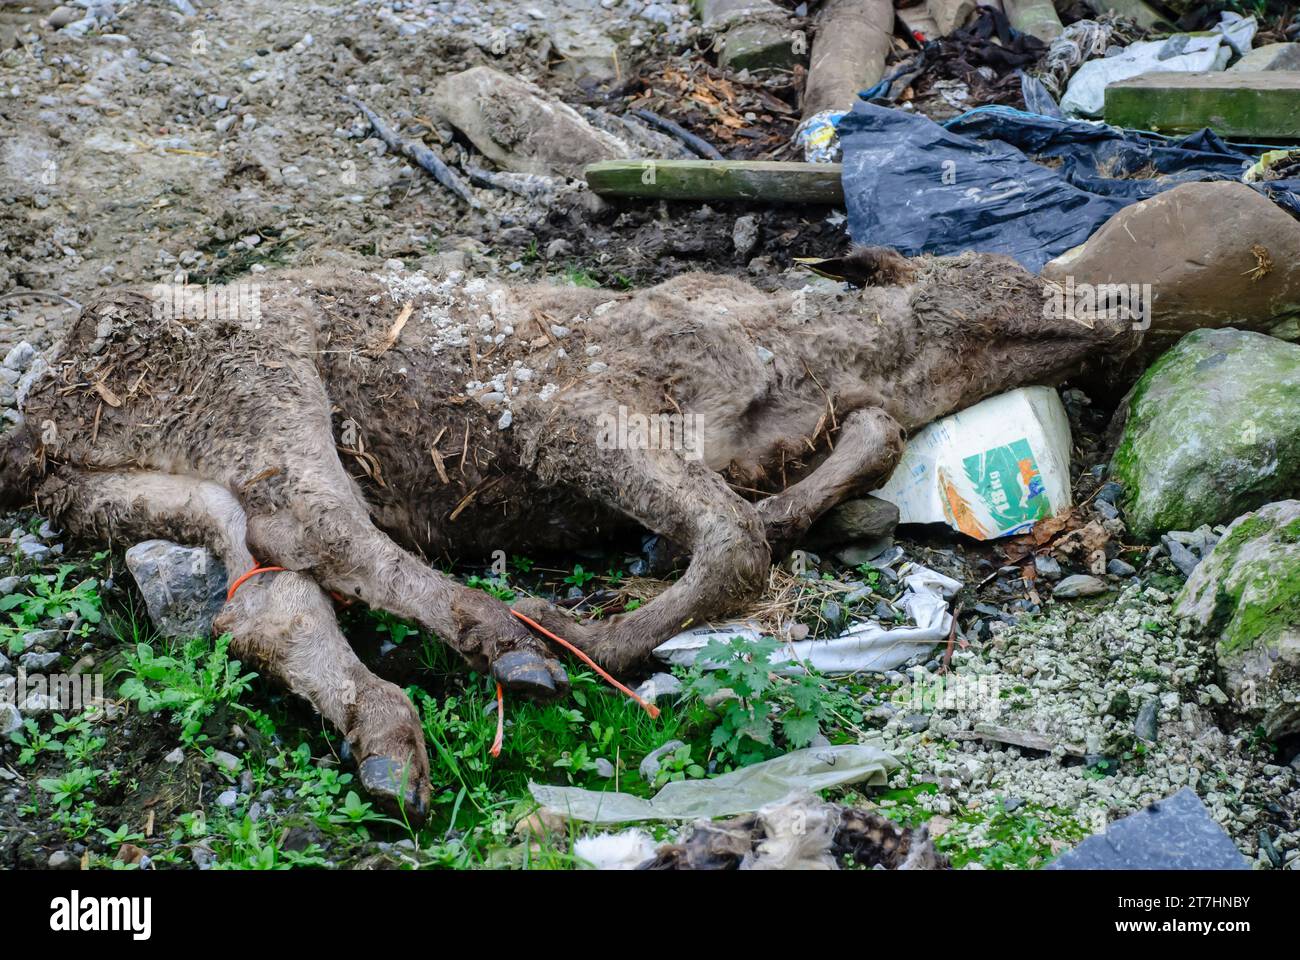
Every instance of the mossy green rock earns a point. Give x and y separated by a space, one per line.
1213 430
1246 596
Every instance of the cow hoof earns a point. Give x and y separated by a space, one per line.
529 674
383 779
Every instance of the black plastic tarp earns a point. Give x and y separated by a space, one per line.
971 184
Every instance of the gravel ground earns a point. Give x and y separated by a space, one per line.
211 139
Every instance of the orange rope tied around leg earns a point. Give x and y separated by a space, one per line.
649 708
501 721
230 594
338 597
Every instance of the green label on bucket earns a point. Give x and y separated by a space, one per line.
1008 481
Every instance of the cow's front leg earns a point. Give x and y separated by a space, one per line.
867 447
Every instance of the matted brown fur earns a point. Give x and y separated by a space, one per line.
354 421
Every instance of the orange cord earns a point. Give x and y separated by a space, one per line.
501 721
230 594
649 708
338 597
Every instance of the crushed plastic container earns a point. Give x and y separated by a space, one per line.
993 470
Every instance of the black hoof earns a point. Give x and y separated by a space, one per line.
382 778
530 674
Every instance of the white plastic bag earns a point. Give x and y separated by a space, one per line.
1086 94
864 646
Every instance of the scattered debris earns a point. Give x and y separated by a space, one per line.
1086 94
800 834
421 154
866 645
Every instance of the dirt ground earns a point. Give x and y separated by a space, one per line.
218 145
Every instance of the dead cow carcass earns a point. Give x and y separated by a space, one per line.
341 425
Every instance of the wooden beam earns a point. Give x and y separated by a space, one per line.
1263 104
848 55
767 180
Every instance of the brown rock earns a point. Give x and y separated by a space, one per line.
1215 254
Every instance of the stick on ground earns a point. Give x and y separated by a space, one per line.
424 157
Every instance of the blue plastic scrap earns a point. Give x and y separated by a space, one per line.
972 184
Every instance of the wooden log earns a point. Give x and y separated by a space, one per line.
848 54
767 180
1263 104
1035 17
950 15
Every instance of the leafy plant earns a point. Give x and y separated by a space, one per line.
396 628
191 687
497 588
66 789
580 577
678 765
763 702
49 598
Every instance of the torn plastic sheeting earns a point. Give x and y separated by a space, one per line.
1113 162
741 791
918 187
914 186
864 646
1086 93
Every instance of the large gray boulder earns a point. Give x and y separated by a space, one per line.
184 588
1246 596
1213 430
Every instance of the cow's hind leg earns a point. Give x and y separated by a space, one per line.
283 623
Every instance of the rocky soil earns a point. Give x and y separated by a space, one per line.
213 140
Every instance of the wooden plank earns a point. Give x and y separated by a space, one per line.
1264 104
768 180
